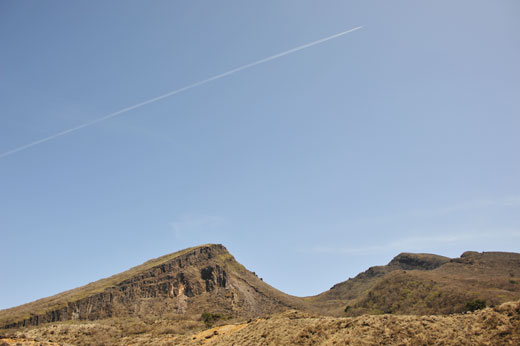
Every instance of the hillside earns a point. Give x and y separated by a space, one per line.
425 284
198 279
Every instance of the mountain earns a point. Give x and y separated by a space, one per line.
191 281
425 284
179 296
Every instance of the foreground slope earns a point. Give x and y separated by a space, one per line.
492 326
198 279
498 326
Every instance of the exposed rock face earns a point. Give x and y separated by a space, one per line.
207 278
411 261
213 276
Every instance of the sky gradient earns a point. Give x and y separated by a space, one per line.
401 136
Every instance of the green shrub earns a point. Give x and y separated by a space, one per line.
475 305
209 318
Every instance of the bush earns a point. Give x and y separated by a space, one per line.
475 305
210 318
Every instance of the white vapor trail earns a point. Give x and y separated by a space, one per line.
174 92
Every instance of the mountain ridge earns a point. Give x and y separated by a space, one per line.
176 278
208 278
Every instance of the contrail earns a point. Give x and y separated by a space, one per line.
174 92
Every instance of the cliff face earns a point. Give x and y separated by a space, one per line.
205 278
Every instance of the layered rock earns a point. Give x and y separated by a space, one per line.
206 278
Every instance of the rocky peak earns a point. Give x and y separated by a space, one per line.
191 281
411 261
174 279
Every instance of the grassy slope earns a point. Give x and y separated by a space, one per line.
491 276
447 289
347 293
241 273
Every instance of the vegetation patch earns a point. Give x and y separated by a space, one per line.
210 318
475 305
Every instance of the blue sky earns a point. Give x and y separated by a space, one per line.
401 136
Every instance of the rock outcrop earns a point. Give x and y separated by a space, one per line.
412 261
205 278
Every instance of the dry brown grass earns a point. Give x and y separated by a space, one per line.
206 336
491 326
498 326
